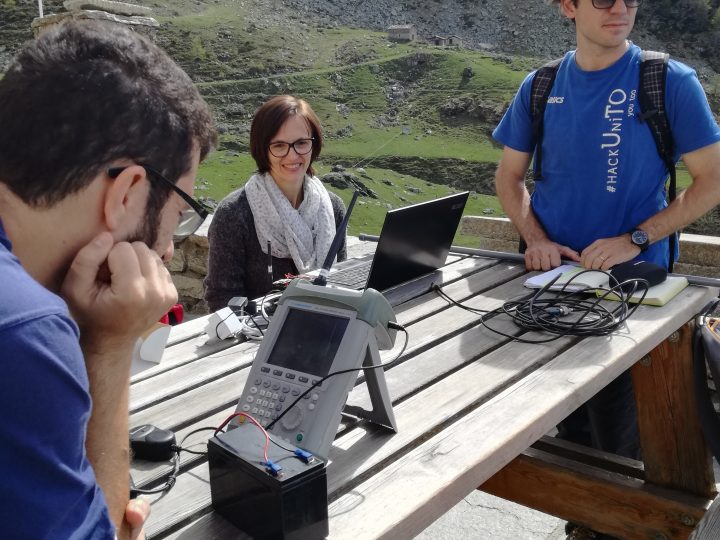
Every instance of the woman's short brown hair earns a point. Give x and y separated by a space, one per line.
268 120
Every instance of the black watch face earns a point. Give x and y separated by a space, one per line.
639 237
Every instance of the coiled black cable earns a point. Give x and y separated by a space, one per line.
566 311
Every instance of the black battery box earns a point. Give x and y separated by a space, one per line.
291 505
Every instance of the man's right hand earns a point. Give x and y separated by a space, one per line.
136 514
546 254
116 291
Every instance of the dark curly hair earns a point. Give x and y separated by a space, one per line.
88 93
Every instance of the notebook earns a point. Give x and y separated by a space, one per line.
414 241
572 278
658 295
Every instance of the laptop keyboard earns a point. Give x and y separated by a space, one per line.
354 277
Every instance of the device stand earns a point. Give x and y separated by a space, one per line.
381 412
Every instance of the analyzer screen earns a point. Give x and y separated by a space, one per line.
308 341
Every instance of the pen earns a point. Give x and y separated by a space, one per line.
270 270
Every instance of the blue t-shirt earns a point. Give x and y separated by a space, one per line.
49 489
602 174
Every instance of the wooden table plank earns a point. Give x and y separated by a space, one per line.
436 475
177 382
709 526
187 330
184 353
363 449
466 401
423 334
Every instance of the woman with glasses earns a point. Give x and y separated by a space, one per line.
283 220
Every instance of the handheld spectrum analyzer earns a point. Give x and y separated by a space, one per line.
317 331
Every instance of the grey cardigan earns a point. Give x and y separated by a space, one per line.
237 265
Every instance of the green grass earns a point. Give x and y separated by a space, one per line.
419 129
368 143
224 172
356 68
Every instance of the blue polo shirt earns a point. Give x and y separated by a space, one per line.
49 489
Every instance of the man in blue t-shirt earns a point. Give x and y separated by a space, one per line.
602 175
101 138
603 179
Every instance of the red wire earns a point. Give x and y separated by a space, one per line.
234 415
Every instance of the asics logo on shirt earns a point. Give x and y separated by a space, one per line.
556 99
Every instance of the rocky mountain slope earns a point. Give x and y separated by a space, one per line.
531 27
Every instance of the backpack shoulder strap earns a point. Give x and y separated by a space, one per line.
542 84
653 73
651 93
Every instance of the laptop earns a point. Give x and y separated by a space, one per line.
414 241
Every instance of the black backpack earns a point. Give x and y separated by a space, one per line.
651 94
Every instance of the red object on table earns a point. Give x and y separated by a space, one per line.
174 316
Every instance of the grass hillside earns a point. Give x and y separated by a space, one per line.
417 118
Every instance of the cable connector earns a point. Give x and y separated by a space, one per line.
272 468
559 311
304 456
395 326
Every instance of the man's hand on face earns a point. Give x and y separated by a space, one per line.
116 291
605 253
136 514
545 254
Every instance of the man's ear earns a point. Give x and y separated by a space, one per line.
125 200
568 8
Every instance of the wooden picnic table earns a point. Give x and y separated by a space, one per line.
472 409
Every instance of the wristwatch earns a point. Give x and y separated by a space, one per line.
640 238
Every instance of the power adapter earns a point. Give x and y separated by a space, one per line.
152 443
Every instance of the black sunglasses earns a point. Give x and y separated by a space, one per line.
607 4
190 219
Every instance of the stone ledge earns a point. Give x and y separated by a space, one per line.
188 266
699 254
119 8
41 24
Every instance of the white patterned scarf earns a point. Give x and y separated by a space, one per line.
303 234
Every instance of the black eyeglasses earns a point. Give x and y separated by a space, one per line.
190 219
301 147
607 4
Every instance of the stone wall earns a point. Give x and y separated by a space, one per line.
699 255
137 17
189 266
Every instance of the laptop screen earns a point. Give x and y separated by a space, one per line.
415 240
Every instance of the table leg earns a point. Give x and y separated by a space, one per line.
664 499
673 447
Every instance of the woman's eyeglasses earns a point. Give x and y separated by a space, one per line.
301 147
190 218
607 4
